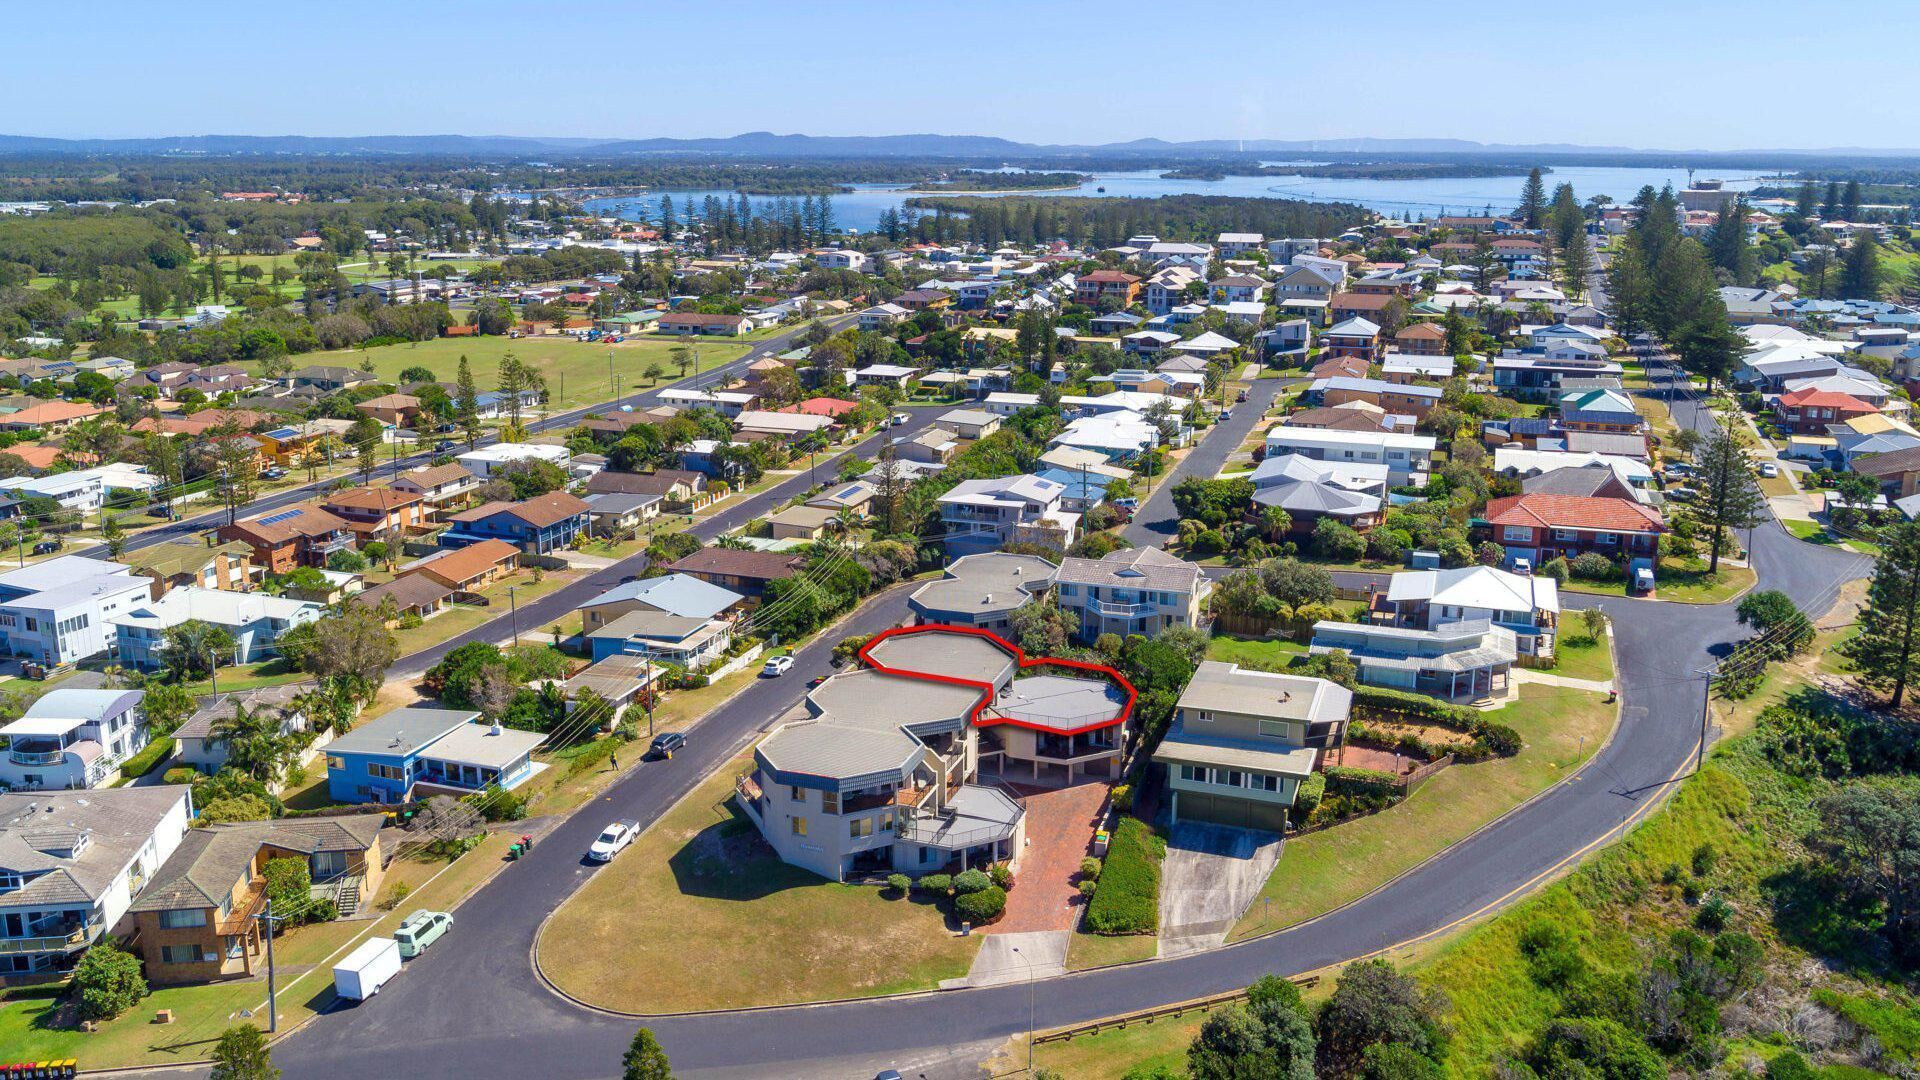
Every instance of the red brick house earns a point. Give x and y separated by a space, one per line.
288 539
377 513
1091 288
1421 339
1356 338
1353 305
1540 526
1809 411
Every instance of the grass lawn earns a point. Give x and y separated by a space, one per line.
1683 582
1580 657
1778 485
1111 1053
703 874
274 672
1322 870
202 1012
1265 654
1097 950
576 372
461 618
1811 531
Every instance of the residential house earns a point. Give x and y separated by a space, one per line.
1606 479
969 423
854 497
52 415
1166 288
1456 661
1528 605
255 620
1543 527
1809 411
74 863
1121 288
415 595
394 410
386 514
1132 591
1407 368
1289 338
934 446
537 526
1421 339
742 571
486 460
61 611
440 487
802 523
989 513
330 379
621 515
680 595
172 565
1237 289
894 375
467 569
1367 307
1233 244
286 539
1305 283
1405 398
680 490
198 744
1353 494
1407 457
1356 338
1538 378
1897 471
786 426
1342 418
410 754
982 591
881 316
199 918
73 739
1242 742
700 324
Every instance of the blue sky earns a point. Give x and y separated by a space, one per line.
1668 75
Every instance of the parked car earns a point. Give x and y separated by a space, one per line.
1523 566
778 666
1240 397
419 930
664 745
1226 414
613 840
272 472
1682 494
1769 470
46 547
443 446
900 418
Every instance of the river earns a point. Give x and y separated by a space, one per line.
861 208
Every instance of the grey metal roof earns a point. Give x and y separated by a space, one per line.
1182 745
677 594
960 656
984 584
36 828
1230 688
838 751
1061 702
84 704
874 701
1138 568
1309 497
401 731
204 868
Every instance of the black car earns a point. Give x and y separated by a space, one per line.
665 745
443 446
46 547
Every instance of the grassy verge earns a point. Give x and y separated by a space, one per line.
1581 657
459 619
1320 871
1680 582
704 872
1086 950
1267 654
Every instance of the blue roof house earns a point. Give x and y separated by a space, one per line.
410 754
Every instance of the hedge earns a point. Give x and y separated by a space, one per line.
1127 898
971 881
982 905
149 756
1307 799
1378 701
1344 779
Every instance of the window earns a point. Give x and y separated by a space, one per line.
181 920
1204 716
1606 538
1566 534
859 827
799 826
179 954
829 802
1517 533
1274 729
387 772
1264 783
1234 777
796 793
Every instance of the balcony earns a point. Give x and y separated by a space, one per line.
870 800
240 919
36 757
1119 611
67 937
1071 750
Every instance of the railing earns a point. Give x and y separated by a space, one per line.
853 804
1119 611
930 831
239 920
34 757
1069 752
78 937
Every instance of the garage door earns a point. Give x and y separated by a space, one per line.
1239 813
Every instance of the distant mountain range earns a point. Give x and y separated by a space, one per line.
766 144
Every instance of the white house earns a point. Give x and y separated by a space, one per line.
255 619
483 461
1407 457
73 739
62 611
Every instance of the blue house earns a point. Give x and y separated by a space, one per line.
411 754
1084 490
536 526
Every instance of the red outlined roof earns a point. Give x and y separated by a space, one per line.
987 690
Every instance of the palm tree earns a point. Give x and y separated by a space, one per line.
255 745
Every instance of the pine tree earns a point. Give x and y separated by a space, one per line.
1708 345
1684 289
1850 201
1805 202
1830 206
666 219
1728 246
1533 200
1729 499
1860 275
1629 289
645 1060
1887 650
466 403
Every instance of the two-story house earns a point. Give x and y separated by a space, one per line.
537 526
415 753
387 514
1132 591
982 591
1526 604
1539 527
1405 398
1242 742
1091 288
1356 337
71 864
1167 287
1407 457
441 488
989 513
170 566
61 611
1810 411
1455 661
73 739
255 620
1237 289
286 540
199 919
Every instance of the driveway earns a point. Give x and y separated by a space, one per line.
1060 826
1211 874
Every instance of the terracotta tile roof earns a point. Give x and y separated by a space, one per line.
1422 331
310 521
408 591
53 412
372 498
539 511
1347 301
435 476
36 455
1808 397
822 406
736 562
1104 276
1574 512
462 565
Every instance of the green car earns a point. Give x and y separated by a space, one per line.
421 929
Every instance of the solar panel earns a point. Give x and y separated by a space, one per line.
285 515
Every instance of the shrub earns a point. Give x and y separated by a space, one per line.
183 774
235 808
108 980
1501 740
1090 868
938 884
1002 875
1713 915
1379 702
1593 566
1307 799
1556 569
1122 797
392 895
149 756
289 886
982 905
498 805
1704 858
971 881
899 883
1087 888
1126 899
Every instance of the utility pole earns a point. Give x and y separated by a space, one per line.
513 612
649 694
267 919
1706 712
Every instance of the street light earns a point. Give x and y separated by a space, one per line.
1029 964
513 613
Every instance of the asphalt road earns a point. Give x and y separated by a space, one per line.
1156 521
